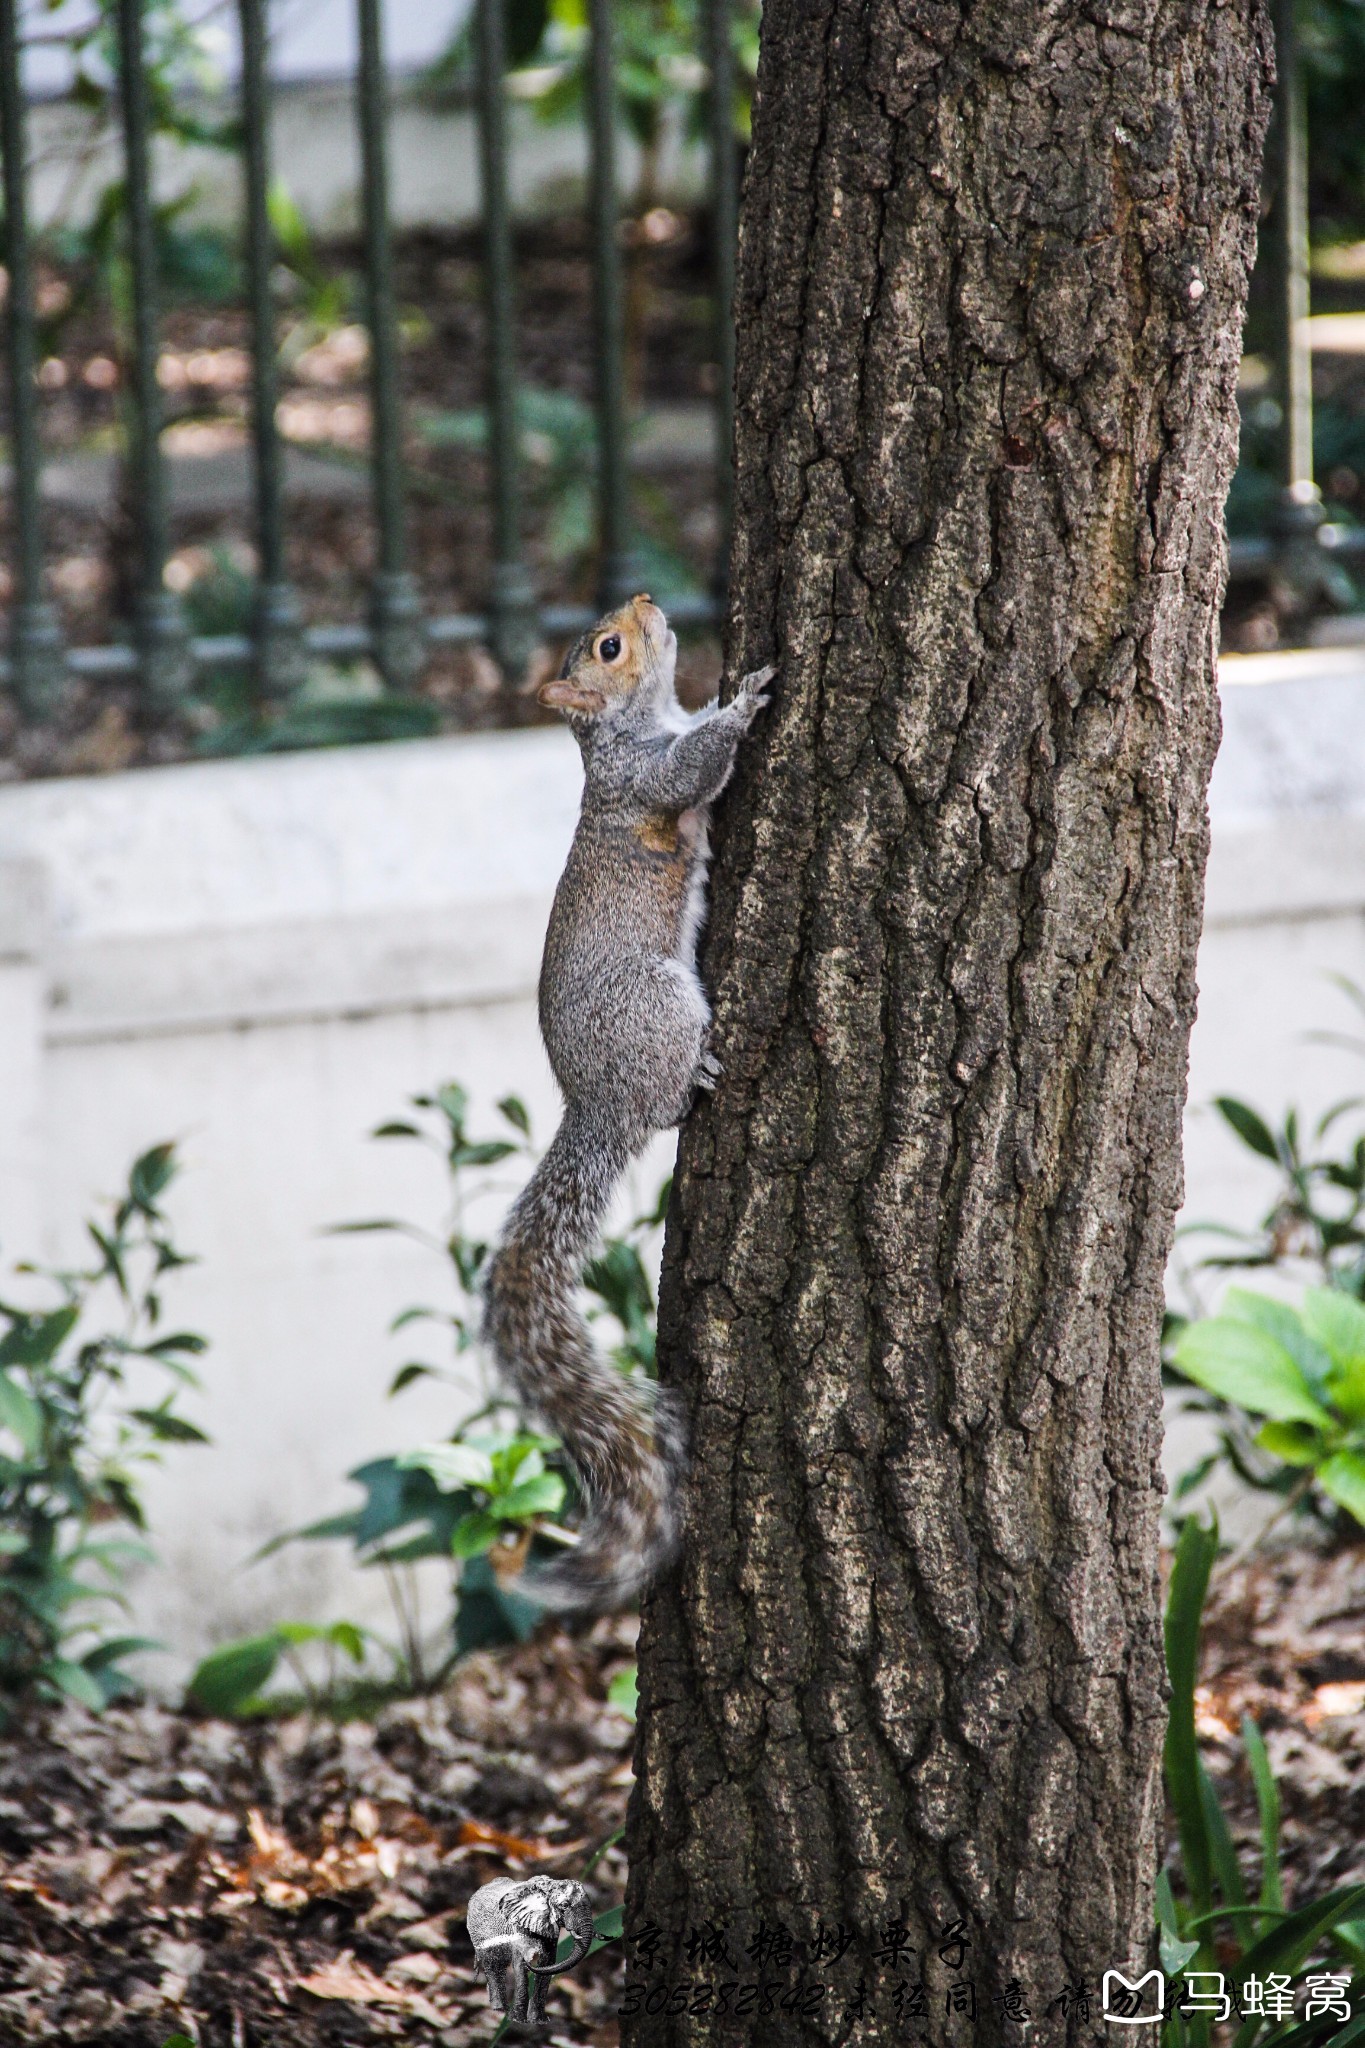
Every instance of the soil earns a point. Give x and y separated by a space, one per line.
1284 1641
297 1883
293 1883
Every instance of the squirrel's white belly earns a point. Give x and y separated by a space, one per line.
693 834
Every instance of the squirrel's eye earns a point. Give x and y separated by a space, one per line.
609 648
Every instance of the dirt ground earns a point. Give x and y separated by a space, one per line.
291 1884
1284 1641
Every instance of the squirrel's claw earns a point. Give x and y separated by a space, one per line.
707 1072
752 694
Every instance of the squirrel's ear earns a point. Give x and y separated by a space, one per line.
566 695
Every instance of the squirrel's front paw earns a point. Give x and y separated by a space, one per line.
752 693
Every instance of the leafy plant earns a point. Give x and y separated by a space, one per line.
72 1439
1303 1371
487 1500
624 1691
557 442
1210 1929
232 1680
658 65
1283 1382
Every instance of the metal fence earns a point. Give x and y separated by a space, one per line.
1302 547
159 651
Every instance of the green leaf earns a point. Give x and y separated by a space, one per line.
230 1678
395 1130
610 1925
1195 1553
296 1633
1175 1953
624 1691
1338 1323
1167 1914
35 1340
488 1153
475 1533
514 1109
1280 1321
350 1637
21 1413
1224 1856
488 1614
1268 1806
450 1465
332 1526
1293 1442
151 1175
114 1648
417 1315
1290 1943
453 1102
168 1428
1245 1365
179 1340
76 1682
1250 1128
543 1495
407 1374
1343 1479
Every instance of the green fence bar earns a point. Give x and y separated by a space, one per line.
619 574
36 663
720 63
279 660
511 596
395 603
158 621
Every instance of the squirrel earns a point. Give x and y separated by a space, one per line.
625 1022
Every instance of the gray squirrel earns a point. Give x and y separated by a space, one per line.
625 1021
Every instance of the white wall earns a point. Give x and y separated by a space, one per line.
265 958
315 146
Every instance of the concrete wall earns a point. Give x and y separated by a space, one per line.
315 145
263 959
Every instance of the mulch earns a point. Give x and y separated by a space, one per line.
300 1882
1284 1641
290 1883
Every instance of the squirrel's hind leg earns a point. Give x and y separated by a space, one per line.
659 1019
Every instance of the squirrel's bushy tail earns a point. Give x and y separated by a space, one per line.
622 1436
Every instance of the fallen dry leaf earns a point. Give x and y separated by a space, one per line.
1329 1702
420 1968
283 1897
352 1981
476 1832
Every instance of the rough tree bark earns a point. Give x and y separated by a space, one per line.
993 268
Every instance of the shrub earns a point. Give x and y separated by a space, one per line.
1210 1930
71 1445
486 1500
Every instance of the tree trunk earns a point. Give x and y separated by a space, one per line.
909 1673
